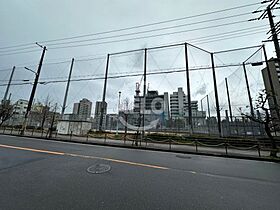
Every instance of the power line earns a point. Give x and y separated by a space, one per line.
154 72
135 27
152 24
230 32
199 40
134 38
128 34
231 37
15 53
149 36
151 30
19 45
18 49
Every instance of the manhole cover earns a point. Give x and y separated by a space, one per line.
183 156
99 169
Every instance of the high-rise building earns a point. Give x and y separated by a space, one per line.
275 77
154 104
179 108
97 114
76 108
179 104
82 109
85 108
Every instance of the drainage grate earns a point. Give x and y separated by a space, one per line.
99 169
183 156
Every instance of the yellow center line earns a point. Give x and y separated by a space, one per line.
32 150
84 156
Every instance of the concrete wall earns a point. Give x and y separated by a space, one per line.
74 127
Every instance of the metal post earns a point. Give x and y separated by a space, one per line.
9 84
229 104
33 91
67 88
144 92
104 94
119 101
248 91
226 147
188 89
53 118
208 109
216 96
208 106
271 84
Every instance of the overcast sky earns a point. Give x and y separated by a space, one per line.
31 21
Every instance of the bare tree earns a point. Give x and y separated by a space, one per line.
266 118
6 111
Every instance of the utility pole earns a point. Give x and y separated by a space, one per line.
8 86
229 104
33 91
274 29
67 88
104 94
144 93
188 89
248 91
216 96
273 32
271 85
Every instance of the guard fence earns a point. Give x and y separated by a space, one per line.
220 146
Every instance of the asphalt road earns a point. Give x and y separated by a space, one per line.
43 174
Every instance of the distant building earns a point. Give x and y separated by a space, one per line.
179 104
20 107
111 121
85 108
76 108
275 76
39 116
82 110
97 114
153 104
179 108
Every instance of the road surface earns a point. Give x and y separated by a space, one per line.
44 174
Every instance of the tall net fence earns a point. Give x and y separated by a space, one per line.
176 88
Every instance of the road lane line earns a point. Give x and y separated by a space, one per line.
84 156
32 150
118 161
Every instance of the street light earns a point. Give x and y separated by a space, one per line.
33 88
28 69
27 80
